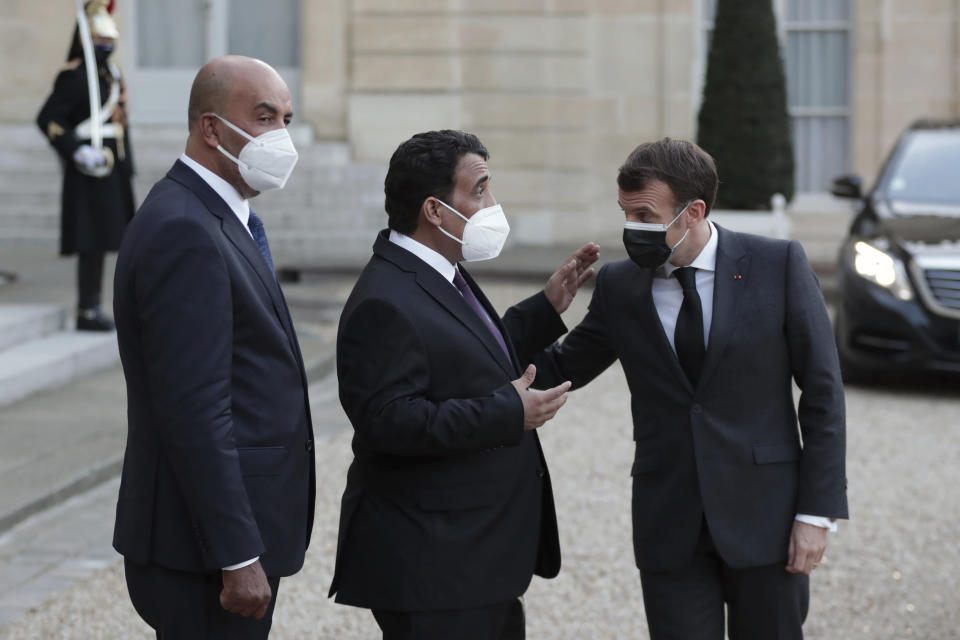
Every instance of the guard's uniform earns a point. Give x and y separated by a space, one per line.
94 210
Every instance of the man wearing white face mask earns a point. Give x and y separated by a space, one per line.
217 492
448 510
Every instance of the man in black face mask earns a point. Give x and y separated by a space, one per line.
97 198
731 500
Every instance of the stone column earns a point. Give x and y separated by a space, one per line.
325 63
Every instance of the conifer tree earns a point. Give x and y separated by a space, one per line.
743 121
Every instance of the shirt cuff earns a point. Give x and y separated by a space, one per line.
818 521
241 565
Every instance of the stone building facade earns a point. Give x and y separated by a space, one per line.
559 90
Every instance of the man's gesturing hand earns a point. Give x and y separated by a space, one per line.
563 285
807 544
246 591
538 406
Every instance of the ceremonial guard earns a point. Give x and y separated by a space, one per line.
97 198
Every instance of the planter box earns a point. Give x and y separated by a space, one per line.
773 223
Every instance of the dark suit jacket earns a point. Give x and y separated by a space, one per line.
448 503
728 449
219 461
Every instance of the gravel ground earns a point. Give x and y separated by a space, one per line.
890 573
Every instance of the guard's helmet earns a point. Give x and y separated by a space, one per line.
100 20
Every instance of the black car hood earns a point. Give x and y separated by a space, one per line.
922 229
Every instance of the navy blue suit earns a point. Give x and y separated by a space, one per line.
219 465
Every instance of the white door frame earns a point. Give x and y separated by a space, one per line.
160 95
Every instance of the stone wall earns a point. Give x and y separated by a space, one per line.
34 39
559 91
906 66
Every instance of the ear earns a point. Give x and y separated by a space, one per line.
208 130
430 211
696 213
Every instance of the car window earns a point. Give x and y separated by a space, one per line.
926 169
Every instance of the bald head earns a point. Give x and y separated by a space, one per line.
218 81
247 93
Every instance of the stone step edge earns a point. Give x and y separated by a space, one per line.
45 320
104 354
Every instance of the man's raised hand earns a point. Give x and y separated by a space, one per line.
563 285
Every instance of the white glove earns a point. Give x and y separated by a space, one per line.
86 157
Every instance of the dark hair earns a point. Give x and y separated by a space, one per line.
421 167
687 169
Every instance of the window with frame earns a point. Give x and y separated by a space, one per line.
815 38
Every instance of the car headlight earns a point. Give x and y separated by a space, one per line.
879 267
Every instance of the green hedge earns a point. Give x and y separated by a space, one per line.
743 121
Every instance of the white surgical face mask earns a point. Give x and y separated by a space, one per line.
266 161
484 234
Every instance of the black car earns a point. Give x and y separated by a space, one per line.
899 268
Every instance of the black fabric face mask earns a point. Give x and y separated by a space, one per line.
648 249
646 243
102 52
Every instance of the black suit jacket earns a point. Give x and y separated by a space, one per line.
448 503
219 460
729 449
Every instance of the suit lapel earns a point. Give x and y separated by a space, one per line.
729 282
652 326
240 239
438 288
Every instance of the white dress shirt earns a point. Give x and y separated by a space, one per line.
425 253
432 258
668 293
237 203
241 207
668 296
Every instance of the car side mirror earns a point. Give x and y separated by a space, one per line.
850 186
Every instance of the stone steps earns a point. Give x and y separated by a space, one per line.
330 203
21 323
38 351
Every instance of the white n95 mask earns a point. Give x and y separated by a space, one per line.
484 235
266 161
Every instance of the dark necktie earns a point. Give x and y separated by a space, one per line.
471 300
255 224
688 337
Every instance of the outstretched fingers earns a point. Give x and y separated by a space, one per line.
557 391
586 255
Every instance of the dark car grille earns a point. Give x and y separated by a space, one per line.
944 285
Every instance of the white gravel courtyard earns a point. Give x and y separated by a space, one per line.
890 573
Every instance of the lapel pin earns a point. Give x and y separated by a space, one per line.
737 276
